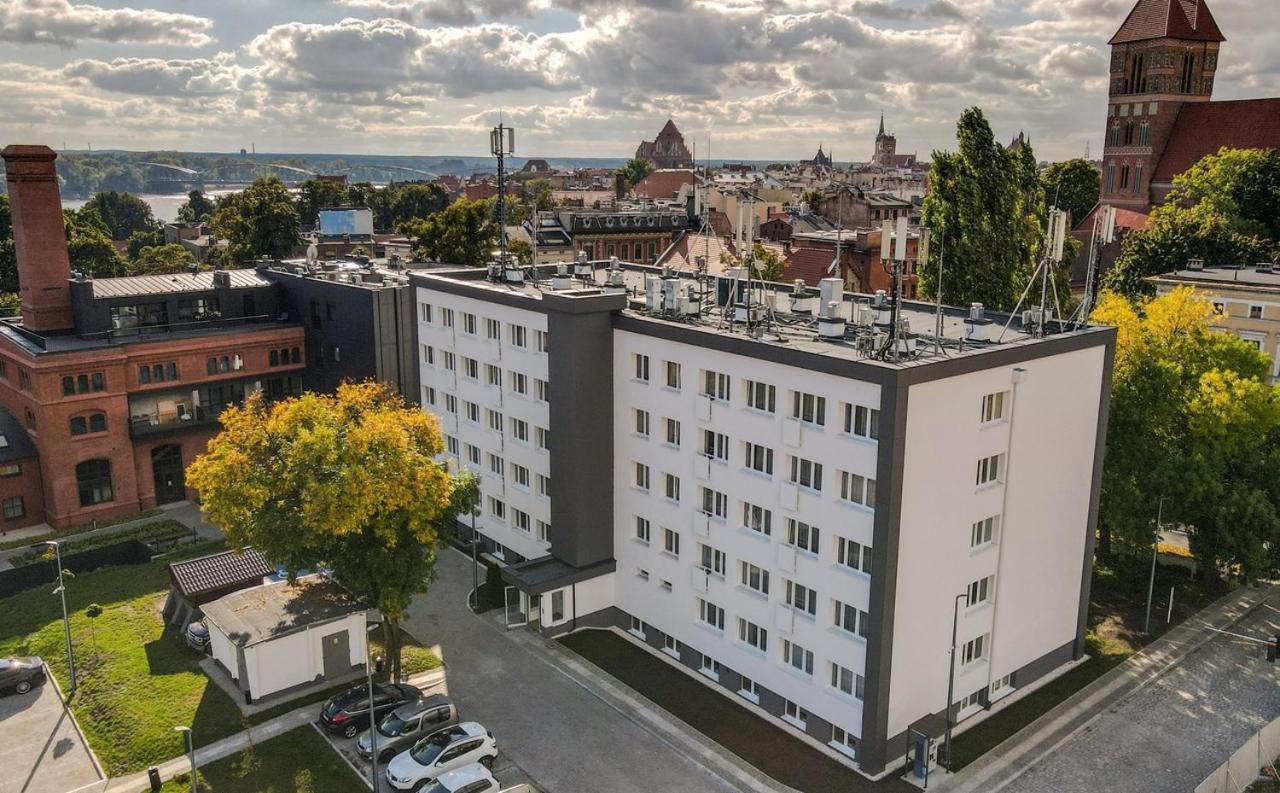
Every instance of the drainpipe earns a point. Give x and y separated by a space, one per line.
1018 374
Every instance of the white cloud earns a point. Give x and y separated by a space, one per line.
61 23
156 77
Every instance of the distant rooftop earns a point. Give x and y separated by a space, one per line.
130 286
1266 277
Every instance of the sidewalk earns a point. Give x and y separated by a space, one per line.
1009 760
185 512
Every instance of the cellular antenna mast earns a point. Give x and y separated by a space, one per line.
1103 234
502 142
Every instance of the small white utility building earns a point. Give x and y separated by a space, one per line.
277 637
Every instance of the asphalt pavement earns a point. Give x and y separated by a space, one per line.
41 751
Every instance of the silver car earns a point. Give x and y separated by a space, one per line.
402 727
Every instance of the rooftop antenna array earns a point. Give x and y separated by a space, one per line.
502 143
1103 234
894 251
1035 321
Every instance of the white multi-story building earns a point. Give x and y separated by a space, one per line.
798 519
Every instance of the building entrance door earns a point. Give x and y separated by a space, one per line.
166 466
337 654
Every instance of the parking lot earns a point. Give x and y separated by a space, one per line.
40 749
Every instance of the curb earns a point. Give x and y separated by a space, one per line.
66 707
1080 709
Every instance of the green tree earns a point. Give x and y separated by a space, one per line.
317 194
161 260
8 253
1225 209
1194 419
123 213
634 170
143 239
462 233
262 220
1073 185
538 193
522 250
408 201
983 206
197 208
813 199
349 481
89 244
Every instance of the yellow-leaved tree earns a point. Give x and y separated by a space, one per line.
347 481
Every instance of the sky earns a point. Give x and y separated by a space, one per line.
751 79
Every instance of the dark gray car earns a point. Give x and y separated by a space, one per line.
402 727
20 675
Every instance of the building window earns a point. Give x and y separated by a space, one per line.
1255 312
797 656
497 508
671 542
471 368
520 430
974 649
851 619
980 591
642 422
557 605
521 520
673 432
984 531
847 682
642 529
673 375
80 384
857 489
520 475
642 476
862 421
642 367
761 396
759 458
492 329
711 614
541 391
492 375
14 508
715 445
671 486
802 536
809 408
757 519
806 474
540 341
544 531
543 437
993 407
801 597
94 422
93 480
468 323
544 485
519 382
670 645
424 312
518 336
710 667
714 503
795 714
852 555
495 464
12 469
30 418
199 309
715 385
844 742
446 317
450 362
990 470
755 578
495 420
711 559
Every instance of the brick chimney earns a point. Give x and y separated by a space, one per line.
39 236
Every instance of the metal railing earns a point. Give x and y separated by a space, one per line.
1241 769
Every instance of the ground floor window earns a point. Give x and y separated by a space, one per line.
795 714
842 740
14 508
93 480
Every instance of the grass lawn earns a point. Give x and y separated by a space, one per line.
163 529
414 658
136 678
83 527
300 761
1117 611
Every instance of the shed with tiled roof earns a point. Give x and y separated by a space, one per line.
195 582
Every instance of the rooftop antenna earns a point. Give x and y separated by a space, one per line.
1103 234
924 257
893 243
502 142
1055 239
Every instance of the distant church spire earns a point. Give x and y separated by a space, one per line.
881 122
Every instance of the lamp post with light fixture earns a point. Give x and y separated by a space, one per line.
66 620
191 753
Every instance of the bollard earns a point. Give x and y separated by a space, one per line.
153 776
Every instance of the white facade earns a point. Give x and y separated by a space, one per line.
490 426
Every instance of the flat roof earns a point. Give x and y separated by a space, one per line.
270 611
782 326
136 285
1228 277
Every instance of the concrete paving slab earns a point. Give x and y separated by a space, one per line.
41 750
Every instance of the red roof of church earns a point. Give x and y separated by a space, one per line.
1204 127
663 183
1175 19
810 265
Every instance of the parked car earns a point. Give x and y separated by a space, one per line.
468 779
441 751
406 725
20 675
346 714
197 636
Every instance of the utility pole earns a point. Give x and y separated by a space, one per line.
951 671
373 716
1155 551
66 620
475 559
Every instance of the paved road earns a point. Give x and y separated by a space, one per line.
564 737
40 749
1167 736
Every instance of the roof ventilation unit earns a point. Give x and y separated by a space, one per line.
613 281
977 327
561 280
690 301
221 279
670 295
494 271
831 323
652 293
1266 268
1195 265
582 267
511 271
863 315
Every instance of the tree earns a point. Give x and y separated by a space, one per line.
161 260
634 170
462 233
317 194
983 206
143 239
197 208
1225 209
262 220
538 193
93 611
8 252
1073 185
348 481
123 213
812 199
89 244
1194 419
522 250
408 201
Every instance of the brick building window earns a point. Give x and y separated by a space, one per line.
93 480
14 508
157 373
83 383
94 422
12 469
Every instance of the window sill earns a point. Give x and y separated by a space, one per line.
748 696
797 723
978 550
855 505
759 535
758 474
707 673
638 634
798 674
670 555
755 593
639 541
673 653
856 438
847 634
847 751
853 571
985 486
752 650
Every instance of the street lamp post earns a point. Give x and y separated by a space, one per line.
373 721
951 667
191 754
66 619
1155 551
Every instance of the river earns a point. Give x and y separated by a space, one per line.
163 207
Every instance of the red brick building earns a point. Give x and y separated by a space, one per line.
667 150
118 382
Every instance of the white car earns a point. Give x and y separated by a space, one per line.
468 779
441 751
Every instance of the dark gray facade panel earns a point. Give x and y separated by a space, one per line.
1095 493
884 576
580 380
